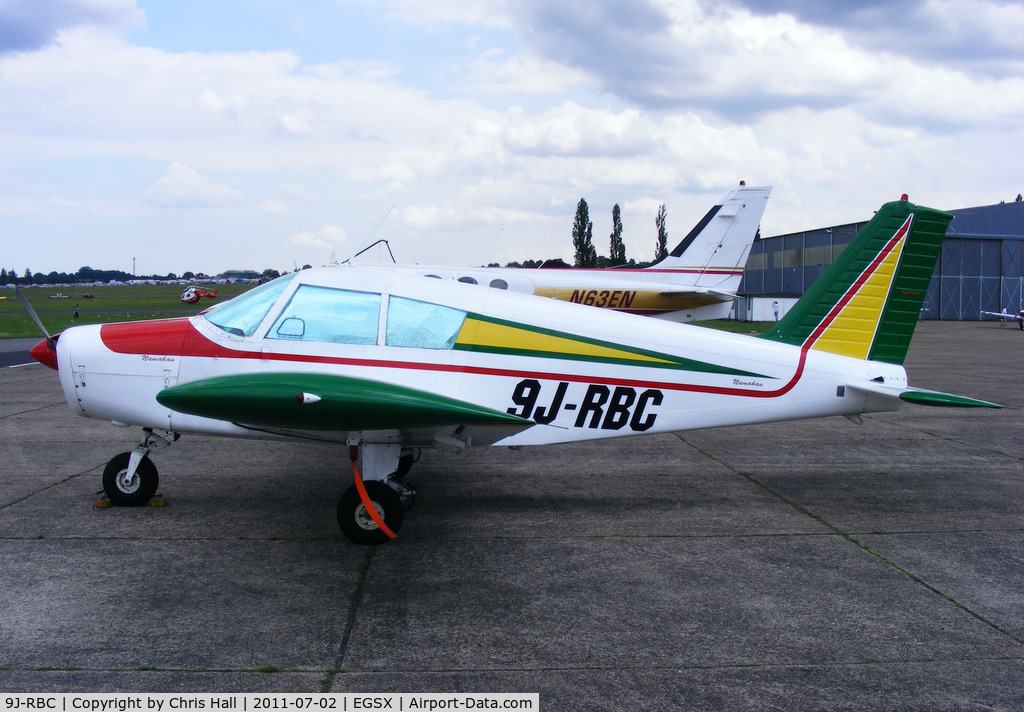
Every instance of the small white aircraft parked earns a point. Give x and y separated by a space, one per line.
697 280
1006 316
388 362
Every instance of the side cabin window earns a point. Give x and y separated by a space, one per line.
422 325
336 316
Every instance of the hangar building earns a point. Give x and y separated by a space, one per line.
980 268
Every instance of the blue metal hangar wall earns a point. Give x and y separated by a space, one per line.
981 267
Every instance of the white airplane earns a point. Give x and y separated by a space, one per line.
697 280
387 362
1006 316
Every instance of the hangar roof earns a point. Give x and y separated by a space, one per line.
1005 220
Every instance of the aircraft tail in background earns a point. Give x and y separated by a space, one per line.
714 253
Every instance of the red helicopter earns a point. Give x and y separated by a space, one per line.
192 295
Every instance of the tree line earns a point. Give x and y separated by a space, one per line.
88 275
583 238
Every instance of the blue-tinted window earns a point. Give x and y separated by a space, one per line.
421 325
241 315
335 316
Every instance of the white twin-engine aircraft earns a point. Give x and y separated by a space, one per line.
388 362
697 280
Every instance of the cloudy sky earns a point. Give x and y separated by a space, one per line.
204 136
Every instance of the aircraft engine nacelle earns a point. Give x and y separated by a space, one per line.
99 382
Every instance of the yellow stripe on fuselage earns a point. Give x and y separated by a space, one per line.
636 300
487 335
853 329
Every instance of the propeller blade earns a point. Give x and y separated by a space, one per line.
50 341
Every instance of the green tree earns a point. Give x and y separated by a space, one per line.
583 236
661 247
617 250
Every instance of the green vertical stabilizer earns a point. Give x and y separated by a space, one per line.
872 293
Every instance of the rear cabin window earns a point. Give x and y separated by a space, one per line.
334 316
422 325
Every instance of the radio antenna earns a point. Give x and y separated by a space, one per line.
366 246
483 247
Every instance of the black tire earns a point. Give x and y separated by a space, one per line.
357 524
135 492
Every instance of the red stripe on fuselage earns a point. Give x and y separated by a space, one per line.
177 337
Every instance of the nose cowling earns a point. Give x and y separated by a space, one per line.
45 352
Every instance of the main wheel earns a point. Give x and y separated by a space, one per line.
132 491
357 523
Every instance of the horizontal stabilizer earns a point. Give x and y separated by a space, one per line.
700 292
920 396
317 401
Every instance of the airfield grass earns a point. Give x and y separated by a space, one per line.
136 302
108 304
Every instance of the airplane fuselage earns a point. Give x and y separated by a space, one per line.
560 372
665 293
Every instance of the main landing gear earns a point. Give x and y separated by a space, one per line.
372 510
130 479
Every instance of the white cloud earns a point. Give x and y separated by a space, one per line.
327 237
182 187
272 207
293 125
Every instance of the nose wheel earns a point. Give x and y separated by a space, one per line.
127 487
130 479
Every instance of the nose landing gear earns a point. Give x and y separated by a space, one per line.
130 478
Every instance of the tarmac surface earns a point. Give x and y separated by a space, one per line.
808 565
14 352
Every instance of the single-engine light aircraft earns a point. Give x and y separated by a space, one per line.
697 280
1006 316
192 295
388 362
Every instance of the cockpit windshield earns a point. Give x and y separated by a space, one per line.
243 314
